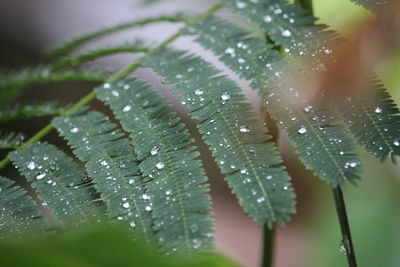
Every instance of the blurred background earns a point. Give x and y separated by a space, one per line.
27 28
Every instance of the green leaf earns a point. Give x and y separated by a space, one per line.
60 183
17 112
288 25
240 145
19 214
374 118
74 61
376 5
110 160
177 184
73 44
97 246
10 140
315 129
12 83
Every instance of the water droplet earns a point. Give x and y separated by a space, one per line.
119 218
160 165
107 85
198 92
127 86
74 130
131 181
267 18
286 33
125 205
148 208
396 143
244 171
308 108
31 165
132 224
243 129
285 188
230 51
378 110
40 176
126 108
225 97
241 60
104 163
154 151
327 51
269 177
240 4
145 196
179 76
261 199
302 130
168 192
115 93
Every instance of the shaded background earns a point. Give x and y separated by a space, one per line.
312 239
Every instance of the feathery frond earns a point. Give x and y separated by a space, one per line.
74 61
240 145
324 144
60 183
176 183
375 5
68 47
374 118
12 83
19 214
18 111
111 162
10 140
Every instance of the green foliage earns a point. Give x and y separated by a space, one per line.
19 213
60 183
176 182
10 140
324 144
240 145
16 112
97 246
110 160
12 83
376 4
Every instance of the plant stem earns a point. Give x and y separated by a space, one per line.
347 243
268 247
92 95
269 234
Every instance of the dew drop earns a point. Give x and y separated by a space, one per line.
148 208
302 130
230 51
159 165
125 205
396 143
308 108
115 93
40 176
243 129
107 85
132 224
378 110
126 108
267 18
225 97
74 130
198 92
104 163
145 196
286 33
240 4
261 199
168 192
127 86
31 165
154 151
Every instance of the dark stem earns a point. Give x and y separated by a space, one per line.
268 247
346 244
269 234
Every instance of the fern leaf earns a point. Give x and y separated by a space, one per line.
60 183
12 83
111 162
376 4
324 145
74 61
239 144
10 140
374 118
177 182
70 46
16 112
19 213
287 25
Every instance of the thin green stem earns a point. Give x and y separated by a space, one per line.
70 46
346 244
92 95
